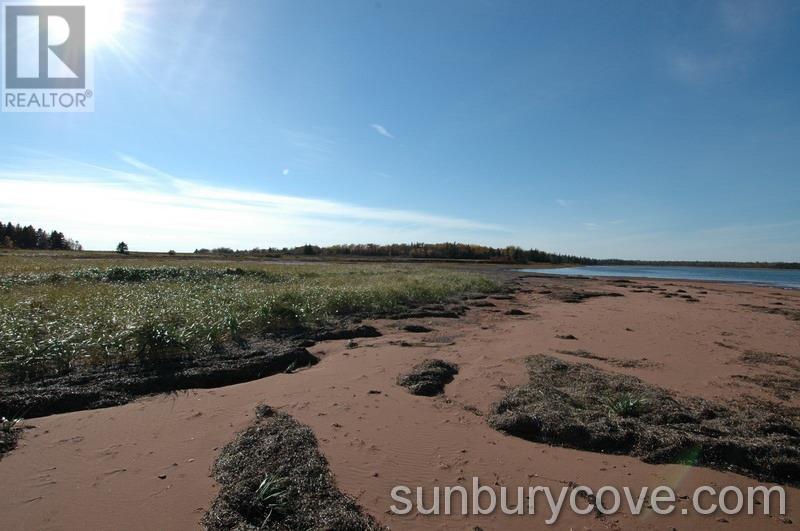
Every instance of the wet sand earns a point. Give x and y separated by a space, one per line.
146 465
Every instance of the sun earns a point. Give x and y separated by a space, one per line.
105 20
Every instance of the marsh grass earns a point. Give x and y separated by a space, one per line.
61 314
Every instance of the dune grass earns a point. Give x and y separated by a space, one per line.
60 313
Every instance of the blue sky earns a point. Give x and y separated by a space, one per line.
666 130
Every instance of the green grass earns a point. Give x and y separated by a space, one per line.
627 405
8 425
272 496
57 313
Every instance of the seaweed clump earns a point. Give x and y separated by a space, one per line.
274 477
579 406
429 377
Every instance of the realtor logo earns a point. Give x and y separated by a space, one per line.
45 65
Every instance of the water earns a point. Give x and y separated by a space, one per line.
785 278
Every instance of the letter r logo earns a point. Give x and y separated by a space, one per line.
45 47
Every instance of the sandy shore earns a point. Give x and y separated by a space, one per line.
146 465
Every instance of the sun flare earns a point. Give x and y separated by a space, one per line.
105 20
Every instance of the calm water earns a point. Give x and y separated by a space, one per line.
786 278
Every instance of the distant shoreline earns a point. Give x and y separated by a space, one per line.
673 273
281 257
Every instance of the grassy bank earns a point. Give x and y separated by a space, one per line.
57 313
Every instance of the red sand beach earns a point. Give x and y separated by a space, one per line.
146 465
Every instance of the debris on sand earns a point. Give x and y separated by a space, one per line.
783 378
274 477
348 333
566 336
429 377
585 354
789 313
576 296
516 311
783 386
625 363
752 357
417 329
454 312
579 406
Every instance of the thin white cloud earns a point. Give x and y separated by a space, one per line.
102 206
141 166
748 16
591 226
743 22
381 130
309 150
285 172
703 67
563 202
309 142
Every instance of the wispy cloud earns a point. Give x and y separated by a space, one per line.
285 172
141 166
102 206
748 16
381 130
696 68
563 202
309 142
737 25
310 150
606 225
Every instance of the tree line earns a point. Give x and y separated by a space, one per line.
28 237
15 236
464 251
428 251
